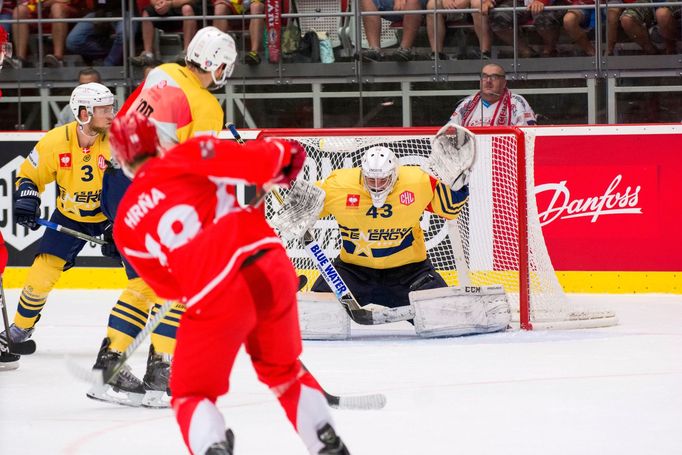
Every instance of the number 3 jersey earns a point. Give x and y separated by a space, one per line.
390 236
179 223
77 171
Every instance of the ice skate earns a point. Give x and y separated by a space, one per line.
225 447
157 393
127 389
333 445
8 361
19 337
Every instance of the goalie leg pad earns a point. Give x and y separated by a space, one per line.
322 317
455 311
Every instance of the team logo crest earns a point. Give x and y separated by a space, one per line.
352 200
65 160
406 197
101 162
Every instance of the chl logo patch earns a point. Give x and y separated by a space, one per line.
352 200
86 150
406 197
65 160
101 162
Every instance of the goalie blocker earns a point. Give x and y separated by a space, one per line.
440 312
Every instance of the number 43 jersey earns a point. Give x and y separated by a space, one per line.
76 170
389 236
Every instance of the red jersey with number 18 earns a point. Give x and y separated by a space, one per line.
179 223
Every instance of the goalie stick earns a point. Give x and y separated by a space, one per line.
73 233
357 313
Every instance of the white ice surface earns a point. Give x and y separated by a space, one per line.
615 390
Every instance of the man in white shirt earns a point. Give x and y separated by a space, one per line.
494 104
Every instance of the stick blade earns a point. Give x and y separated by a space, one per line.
372 401
94 377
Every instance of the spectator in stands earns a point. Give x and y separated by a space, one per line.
85 76
578 23
635 23
668 19
494 104
482 27
436 27
256 26
52 9
94 39
547 24
372 24
165 8
6 8
502 25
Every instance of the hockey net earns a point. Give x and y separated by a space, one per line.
491 242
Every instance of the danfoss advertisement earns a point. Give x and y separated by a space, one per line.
609 197
609 201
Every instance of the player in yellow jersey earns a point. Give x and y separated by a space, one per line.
378 207
178 100
74 156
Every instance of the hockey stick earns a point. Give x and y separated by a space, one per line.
360 315
73 233
369 401
25 347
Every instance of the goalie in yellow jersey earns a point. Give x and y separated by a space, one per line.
383 259
74 156
378 207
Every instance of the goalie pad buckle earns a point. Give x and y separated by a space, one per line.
453 150
454 311
300 210
322 317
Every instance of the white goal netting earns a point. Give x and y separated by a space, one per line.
482 247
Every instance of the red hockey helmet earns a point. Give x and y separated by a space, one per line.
132 136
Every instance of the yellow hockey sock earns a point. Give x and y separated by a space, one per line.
163 337
42 276
129 315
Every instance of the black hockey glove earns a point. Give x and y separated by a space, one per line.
27 205
109 249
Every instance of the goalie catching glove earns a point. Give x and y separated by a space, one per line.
453 153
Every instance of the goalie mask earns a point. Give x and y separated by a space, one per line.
379 173
88 96
209 50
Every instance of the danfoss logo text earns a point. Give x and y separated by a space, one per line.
614 201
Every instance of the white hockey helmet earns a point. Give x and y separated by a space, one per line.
210 49
88 96
379 173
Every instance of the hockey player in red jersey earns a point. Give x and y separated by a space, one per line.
180 226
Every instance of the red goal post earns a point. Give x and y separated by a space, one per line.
497 239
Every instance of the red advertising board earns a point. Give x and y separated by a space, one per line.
610 202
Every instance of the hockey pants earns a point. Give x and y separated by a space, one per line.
256 307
